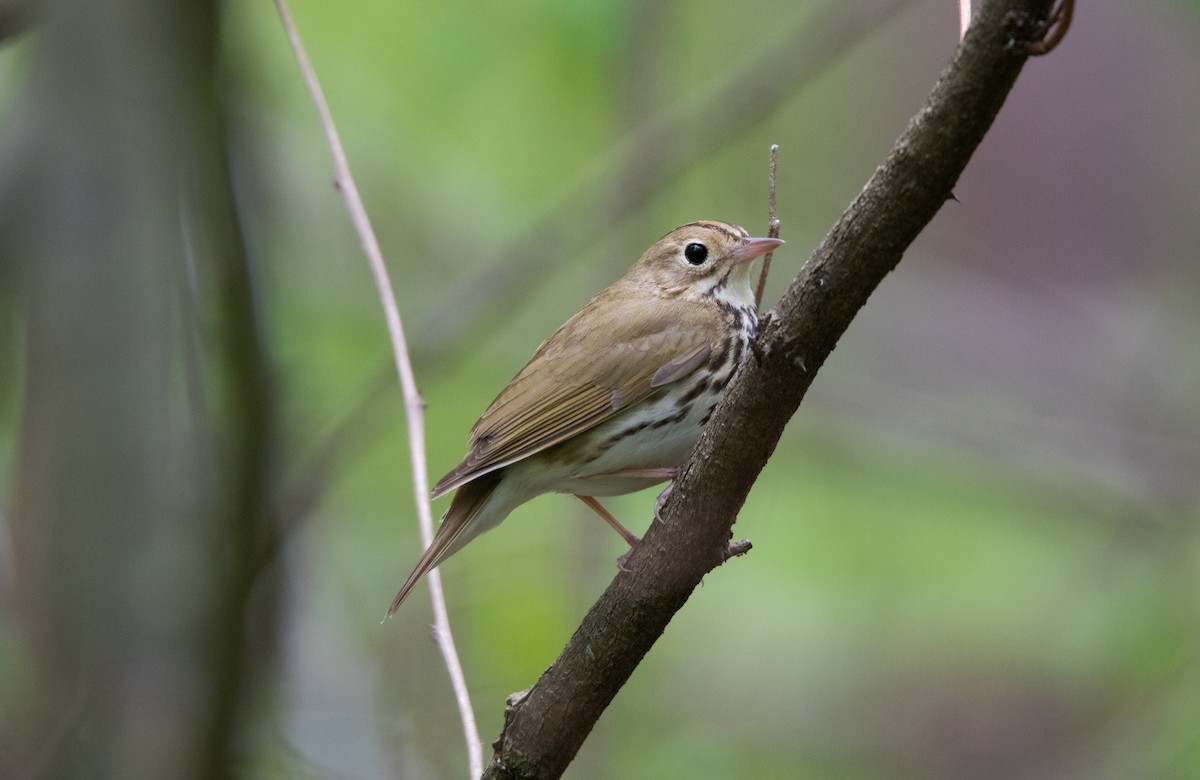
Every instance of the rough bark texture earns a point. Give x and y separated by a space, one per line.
544 729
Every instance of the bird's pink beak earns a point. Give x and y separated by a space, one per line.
752 248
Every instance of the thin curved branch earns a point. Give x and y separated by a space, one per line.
414 406
546 726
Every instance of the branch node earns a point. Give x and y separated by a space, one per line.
1051 32
511 705
1039 36
735 549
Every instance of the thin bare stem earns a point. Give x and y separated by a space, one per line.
964 17
772 228
414 407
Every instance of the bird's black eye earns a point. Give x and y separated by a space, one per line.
695 253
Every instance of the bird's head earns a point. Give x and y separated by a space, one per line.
701 259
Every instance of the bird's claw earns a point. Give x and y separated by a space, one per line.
624 557
662 500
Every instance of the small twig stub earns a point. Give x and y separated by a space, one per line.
772 228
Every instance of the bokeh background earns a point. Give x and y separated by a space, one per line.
977 548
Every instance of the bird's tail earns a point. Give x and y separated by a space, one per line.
458 527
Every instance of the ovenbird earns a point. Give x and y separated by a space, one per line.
616 399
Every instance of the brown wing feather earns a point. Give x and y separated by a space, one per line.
459 526
570 386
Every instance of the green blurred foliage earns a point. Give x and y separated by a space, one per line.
976 551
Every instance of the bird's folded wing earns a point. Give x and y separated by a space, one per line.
570 385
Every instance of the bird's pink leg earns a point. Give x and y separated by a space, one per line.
647 473
599 509
663 473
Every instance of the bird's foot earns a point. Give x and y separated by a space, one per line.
624 557
662 500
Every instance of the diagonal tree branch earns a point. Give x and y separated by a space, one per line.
545 726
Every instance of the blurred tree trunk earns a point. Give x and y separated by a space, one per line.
144 445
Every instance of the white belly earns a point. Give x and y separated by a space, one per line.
658 433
